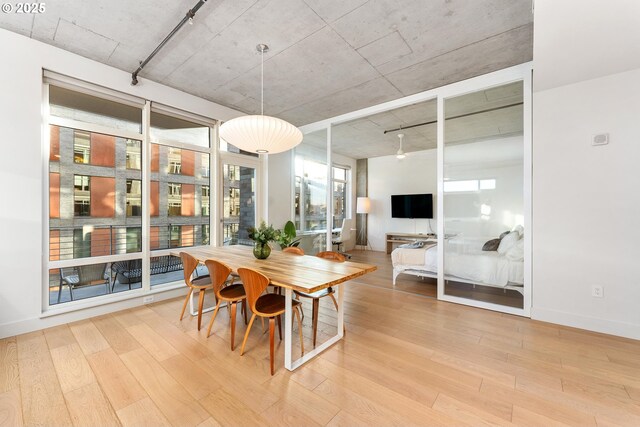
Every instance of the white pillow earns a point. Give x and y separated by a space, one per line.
516 252
507 242
519 229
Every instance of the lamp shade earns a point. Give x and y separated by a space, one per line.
363 205
260 134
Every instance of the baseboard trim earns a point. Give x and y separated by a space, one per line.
610 327
37 323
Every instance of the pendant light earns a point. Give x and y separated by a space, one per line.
400 154
259 133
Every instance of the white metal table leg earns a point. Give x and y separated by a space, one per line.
193 311
340 311
293 364
288 323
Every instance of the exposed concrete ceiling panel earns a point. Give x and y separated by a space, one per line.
327 57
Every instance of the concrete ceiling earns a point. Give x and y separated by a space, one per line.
327 57
493 113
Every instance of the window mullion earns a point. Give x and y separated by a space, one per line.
146 197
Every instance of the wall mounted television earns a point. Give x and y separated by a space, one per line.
412 206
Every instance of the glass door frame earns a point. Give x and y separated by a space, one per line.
498 78
255 163
522 72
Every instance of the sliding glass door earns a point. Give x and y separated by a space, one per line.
483 198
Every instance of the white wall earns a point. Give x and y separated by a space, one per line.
388 175
586 199
21 216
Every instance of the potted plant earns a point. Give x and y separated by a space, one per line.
287 236
262 236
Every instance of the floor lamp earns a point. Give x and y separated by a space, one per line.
363 207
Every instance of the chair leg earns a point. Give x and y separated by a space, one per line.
70 290
186 300
200 304
245 309
271 339
279 328
59 291
299 329
213 317
246 334
316 309
234 307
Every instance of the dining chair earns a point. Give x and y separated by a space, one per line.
201 283
269 306
327 292
293 250
232 294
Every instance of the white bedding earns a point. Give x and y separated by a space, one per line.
486 267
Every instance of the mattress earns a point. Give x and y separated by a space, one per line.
486 267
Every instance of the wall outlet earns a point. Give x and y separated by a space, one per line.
147 300
597 291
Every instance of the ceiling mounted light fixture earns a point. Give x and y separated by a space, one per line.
400 154
259 133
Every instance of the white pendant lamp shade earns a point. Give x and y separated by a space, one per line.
260 134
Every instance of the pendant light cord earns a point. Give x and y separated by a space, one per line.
262 82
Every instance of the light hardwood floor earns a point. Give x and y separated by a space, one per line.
406 360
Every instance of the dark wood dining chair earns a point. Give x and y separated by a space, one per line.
232 294
269 306
201 284
315 296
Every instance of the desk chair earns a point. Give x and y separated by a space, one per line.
343 236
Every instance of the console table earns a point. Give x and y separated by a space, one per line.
400 238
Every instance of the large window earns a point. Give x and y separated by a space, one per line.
96 175
340 180
311 194
180 181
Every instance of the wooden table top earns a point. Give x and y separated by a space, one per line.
301 273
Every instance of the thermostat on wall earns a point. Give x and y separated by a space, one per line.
600 139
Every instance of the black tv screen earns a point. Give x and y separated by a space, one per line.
412 206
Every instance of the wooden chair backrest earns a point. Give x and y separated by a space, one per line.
254 284
333 256
293 250
189 264
219 272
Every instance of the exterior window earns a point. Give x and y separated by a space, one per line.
312 194
205 200
81 147
95 193
174 199
134 239
175 161
204 162
206 235
134 197
81 196
134 157
340 176
175 236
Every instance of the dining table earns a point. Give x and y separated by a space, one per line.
291 272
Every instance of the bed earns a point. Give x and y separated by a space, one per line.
471 265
